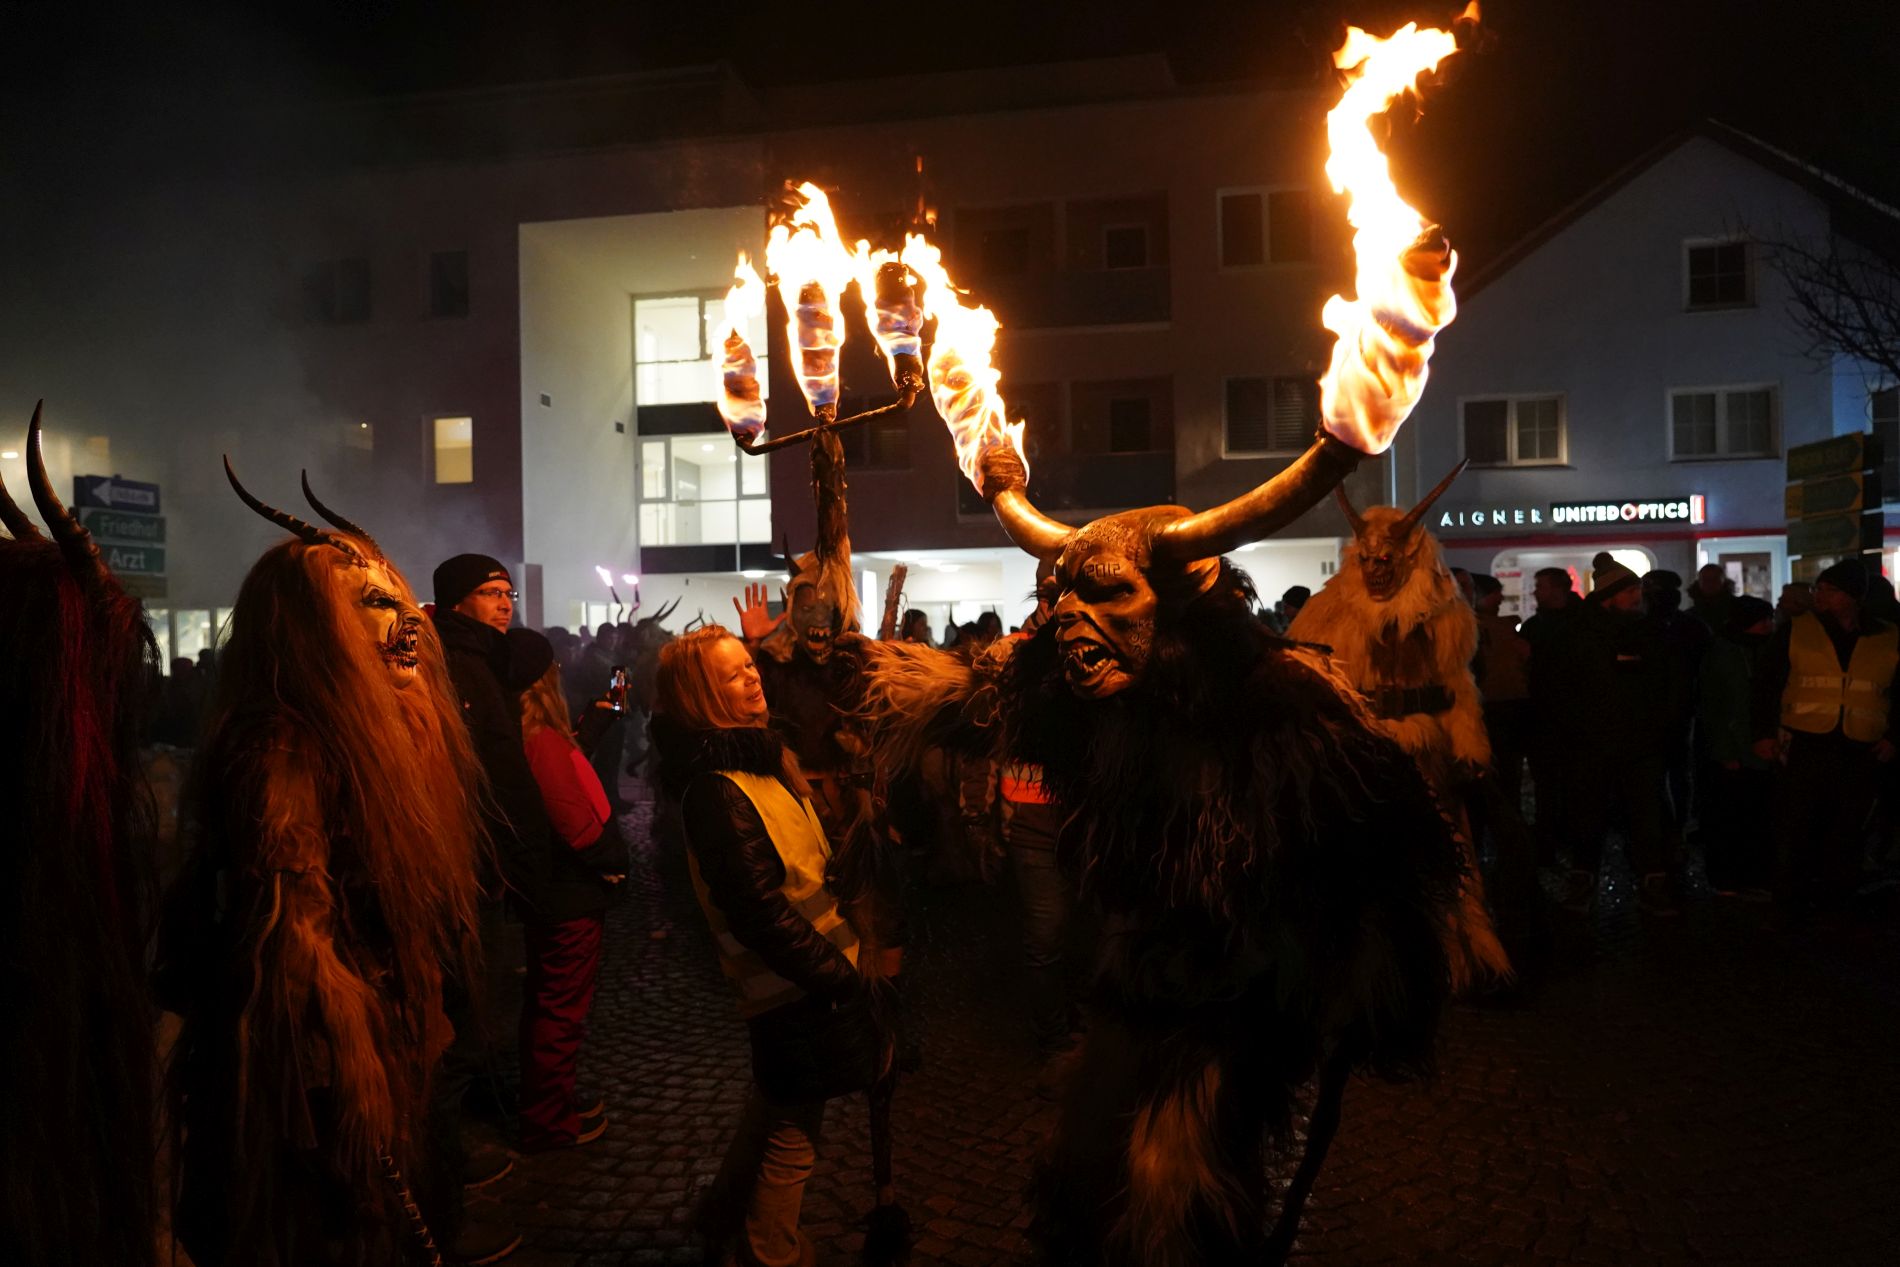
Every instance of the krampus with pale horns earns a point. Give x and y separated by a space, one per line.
1401 632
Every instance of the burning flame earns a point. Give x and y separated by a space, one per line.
1385 335
813 266
629 578
741 402
963 383
606 577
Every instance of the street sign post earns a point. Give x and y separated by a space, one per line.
1832 502
114 525
109 492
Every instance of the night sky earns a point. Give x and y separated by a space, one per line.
1556 95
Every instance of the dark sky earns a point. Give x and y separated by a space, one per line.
1557 94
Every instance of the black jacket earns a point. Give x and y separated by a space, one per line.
517 823
741 869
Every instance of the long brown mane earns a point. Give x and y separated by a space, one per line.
344 810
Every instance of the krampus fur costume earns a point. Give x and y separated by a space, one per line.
1275 878
1403 635
333 889
76 1129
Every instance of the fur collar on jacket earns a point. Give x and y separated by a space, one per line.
684 753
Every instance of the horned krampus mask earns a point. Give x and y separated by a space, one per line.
1114 577
816 617
1387 544
379 599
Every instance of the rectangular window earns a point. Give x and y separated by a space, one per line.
1243 230
1514 431
454 442
1883 413
1270 415
448 284
678 344
1727 422
1130 424
336 292
700 490
1125 246
1719 275
1260 226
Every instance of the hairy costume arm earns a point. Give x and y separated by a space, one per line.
309 1014
743 874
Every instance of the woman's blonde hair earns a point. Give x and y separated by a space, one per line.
544 706
685 690
686 694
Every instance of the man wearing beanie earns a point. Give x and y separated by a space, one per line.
1823 705
474 604
1614 698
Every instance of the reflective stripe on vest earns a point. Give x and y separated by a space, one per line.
799 839
1819 696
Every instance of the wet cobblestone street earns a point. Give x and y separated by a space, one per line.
1688 1090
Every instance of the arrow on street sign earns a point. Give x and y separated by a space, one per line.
1841 455
1833 495
1835 534
109 492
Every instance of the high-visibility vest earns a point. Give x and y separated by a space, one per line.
1819 696
799 838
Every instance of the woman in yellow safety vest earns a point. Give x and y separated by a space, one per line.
757 854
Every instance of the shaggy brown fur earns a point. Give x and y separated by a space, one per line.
1428 630
1273 876
305 945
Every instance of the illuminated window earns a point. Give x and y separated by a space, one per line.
678 345
454 450
701 490
1730 422
1514 431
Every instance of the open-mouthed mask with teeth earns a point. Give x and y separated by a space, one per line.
391 622
814 622
1104 613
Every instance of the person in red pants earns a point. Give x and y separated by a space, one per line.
563 933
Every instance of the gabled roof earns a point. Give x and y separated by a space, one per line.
1853 212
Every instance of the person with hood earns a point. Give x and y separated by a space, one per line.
1614 692
1736 780
1823 706
563 939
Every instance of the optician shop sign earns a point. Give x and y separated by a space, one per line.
1690 509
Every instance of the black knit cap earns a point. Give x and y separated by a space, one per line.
457 578
529 655
1849 576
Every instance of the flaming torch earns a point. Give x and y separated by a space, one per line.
967 389
607 579
1403 265
812 267
741 403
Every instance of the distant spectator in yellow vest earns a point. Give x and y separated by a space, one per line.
1823 705
758 853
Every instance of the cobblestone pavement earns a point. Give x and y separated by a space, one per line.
1689 1090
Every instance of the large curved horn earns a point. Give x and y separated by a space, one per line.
1033 532
331 517
667 610
1416 513
310 534
22 528
1262 512
1345 504
82 555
